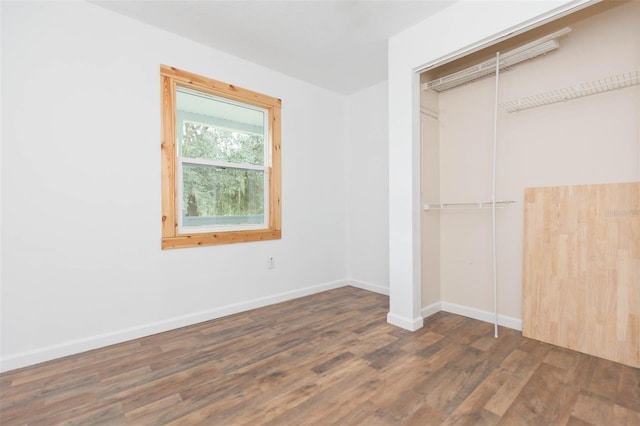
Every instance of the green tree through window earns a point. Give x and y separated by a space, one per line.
218 191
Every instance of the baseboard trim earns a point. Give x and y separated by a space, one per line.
27 358
427 311
24 359
404 322
486 316
375 288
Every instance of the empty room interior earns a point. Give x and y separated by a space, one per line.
320 212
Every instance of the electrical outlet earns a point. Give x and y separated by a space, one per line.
271 263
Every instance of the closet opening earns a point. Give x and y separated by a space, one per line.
555 106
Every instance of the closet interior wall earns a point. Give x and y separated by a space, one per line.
430 239
595 139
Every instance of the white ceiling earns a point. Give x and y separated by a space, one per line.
339 45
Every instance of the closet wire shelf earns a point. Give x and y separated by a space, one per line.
474 205
613 82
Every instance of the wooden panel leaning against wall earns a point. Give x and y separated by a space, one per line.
581 269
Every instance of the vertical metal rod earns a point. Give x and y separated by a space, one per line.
493 198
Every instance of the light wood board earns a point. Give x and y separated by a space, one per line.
581 269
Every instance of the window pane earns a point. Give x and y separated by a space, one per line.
214 129
221 196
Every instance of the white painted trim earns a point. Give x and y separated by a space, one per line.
433 308
221 164
27 358
406 323
35 356
550 16
375 288
481 315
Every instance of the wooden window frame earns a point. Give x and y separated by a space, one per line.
171 78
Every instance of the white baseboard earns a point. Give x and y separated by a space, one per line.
481 315
427 311
23 359
375 288
411 324
27 358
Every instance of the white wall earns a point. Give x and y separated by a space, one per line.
367 189
453 30
81 260
584 141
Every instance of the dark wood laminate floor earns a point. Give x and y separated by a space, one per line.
329 358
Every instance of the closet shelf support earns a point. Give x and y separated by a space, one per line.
601 85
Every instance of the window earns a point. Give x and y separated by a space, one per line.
220 162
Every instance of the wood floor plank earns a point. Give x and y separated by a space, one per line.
521 366
147 414
537 402
628 391
63 386
357 414
214 393
327 395
422 343
341 408
574 421
475 402
625 416
330 358
109 414
592 409
160 388
397 380
425 415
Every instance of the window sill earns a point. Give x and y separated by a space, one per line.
197 240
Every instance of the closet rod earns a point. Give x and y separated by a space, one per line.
601 85
471 205
485 69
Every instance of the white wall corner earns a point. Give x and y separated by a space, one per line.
405 212
406 323
375 288
486 316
